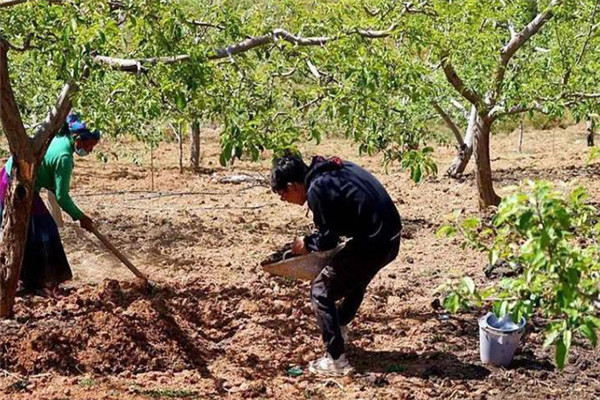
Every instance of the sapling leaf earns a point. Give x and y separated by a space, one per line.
451 302
588 330
469 284
561 353
551 337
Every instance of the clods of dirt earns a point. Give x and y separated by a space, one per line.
112 328
279 255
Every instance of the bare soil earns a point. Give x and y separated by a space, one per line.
219 327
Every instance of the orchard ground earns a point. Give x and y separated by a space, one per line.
219 327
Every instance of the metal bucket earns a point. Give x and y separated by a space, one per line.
499 338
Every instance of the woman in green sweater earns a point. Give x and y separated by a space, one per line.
45 264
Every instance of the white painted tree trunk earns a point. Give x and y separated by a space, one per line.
179 133
590 129
460 162
521 133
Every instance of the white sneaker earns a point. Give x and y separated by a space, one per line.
344 330
330 367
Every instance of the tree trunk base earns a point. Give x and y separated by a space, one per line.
590 128
460 162
493 200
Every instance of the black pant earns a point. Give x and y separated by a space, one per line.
347 277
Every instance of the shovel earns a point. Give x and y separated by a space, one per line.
123 259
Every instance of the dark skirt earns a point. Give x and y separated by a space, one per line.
45 262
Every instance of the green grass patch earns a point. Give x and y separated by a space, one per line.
87 382
169 393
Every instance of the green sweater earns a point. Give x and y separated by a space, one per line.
54 173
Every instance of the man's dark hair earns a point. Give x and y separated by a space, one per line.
287 169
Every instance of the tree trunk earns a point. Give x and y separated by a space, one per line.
15 221
460 162
27 153
180 142
483 167
195 146
521 134
590 128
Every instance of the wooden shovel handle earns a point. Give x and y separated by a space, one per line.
119 255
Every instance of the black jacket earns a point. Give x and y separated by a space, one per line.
346 200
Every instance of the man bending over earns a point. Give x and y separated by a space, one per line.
346 200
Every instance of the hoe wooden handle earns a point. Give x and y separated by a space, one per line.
119 255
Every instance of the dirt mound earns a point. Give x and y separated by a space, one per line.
117 327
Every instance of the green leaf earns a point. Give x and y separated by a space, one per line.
470 223
494 256
567 336
503 309
588 331
469 284
525 219
181 100
561 354
445 231
593 321
593 155
551 337
452 302
562 348
544 238
417 174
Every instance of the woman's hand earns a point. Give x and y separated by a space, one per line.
298 247
86 223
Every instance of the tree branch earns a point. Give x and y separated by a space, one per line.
12 3
511 29
516 42
589 35
449 122
286 74
518 110
116 5
310 103
375 34
579 58
574 98
206 24
26 44
461 108
133 65
578 97
583 95
372 13
458 84
259 41
10 116
139 65
55 119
